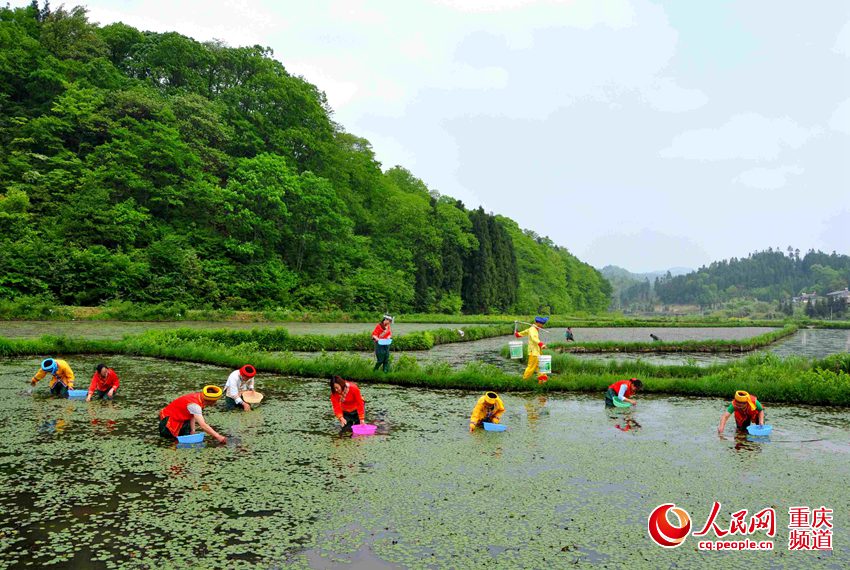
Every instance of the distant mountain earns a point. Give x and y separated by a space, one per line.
618 273
635 288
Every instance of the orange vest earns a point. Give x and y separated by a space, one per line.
751 412
630 389
177 413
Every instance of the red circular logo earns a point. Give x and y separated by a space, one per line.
663 532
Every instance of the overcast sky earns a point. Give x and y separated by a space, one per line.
641 134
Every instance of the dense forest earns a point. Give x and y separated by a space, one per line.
770 275
152 168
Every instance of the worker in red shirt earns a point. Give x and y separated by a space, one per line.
181 416
104 383
348 405
382 336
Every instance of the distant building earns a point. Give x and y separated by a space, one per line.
836 295
805 298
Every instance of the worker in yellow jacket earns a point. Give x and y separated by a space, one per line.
535 346
489 408
63 376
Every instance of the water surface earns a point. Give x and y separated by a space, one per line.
565 486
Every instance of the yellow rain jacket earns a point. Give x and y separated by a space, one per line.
482 408
533 340
63 374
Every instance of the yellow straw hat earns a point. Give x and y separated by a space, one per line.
741 396
211 393
490 397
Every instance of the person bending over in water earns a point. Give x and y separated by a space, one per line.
746 409
104 383
624 390
348 405
239 381
654 338
62 376
489 408
182 415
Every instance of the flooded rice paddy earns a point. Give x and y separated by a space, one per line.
809 343
569 484
115 330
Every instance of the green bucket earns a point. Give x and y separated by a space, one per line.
516 350
544 365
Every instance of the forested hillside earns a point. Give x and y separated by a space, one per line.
767 276
153 168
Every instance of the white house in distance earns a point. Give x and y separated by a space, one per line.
805 297
837 295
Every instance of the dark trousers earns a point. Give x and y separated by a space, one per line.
230 404
609 397
59 390
351 418
165 432
382 353
102 395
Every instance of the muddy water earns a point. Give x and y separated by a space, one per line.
808 343
569 484
815 343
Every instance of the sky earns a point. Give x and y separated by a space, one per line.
641 134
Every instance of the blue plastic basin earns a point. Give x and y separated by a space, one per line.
77 394
493 427
193 438
759 430
385 341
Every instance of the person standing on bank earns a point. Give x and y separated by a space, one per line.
239 381
104 383
383 332
535 346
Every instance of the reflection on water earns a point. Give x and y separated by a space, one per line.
567 481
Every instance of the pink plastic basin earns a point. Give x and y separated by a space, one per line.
363 429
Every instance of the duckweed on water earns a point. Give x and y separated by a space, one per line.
562 487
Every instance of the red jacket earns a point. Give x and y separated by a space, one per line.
98 383
751 413
381 332
353 401
177 412
630 389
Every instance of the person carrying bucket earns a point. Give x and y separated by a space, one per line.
489 408
623 390
104 383
62 376
747 410
382 336
239 381
347 403
181 416
535 346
